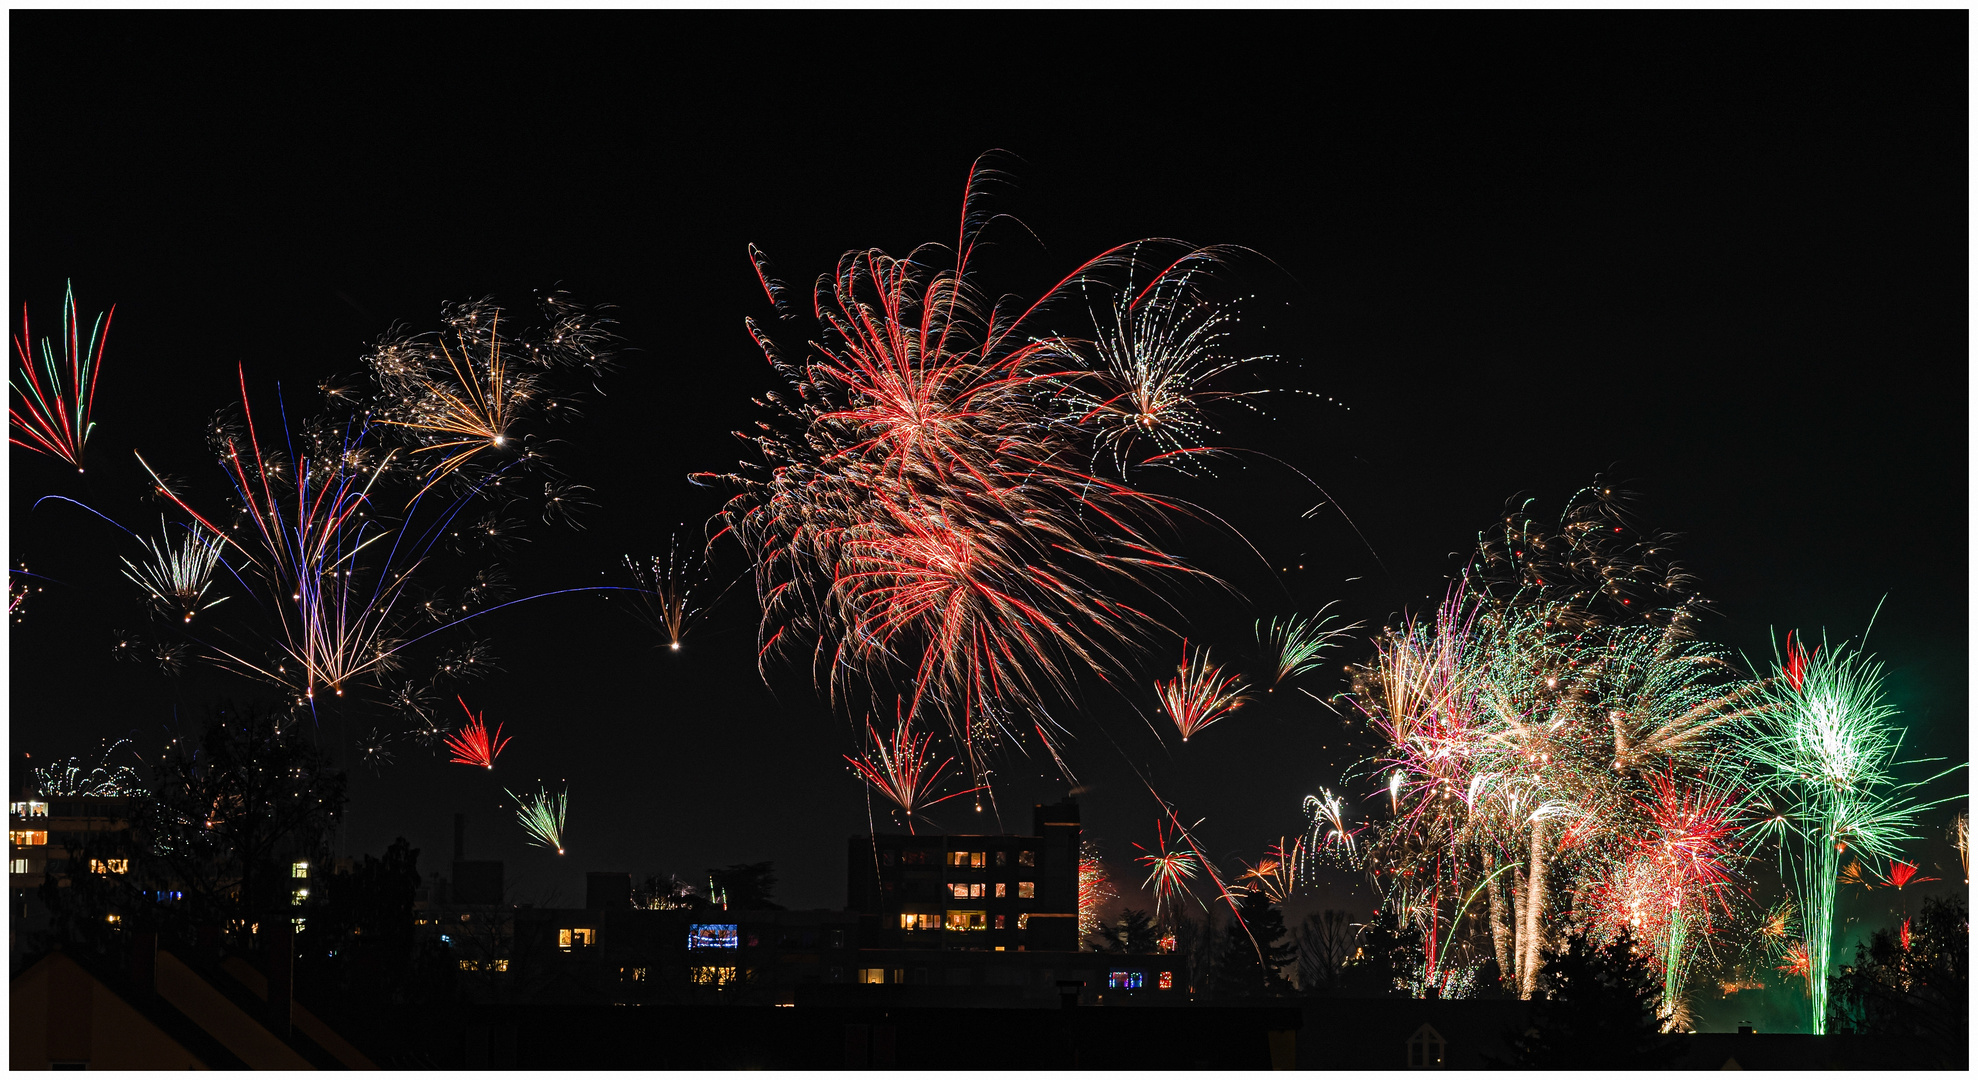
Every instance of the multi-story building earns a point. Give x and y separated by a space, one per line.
44 835
1000 893
987 919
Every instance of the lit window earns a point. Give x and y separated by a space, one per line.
470 965
713 976
978 859
872 975
899 975
1167 980
1026 858
1124 980
968 920
562 938
1023 920
299 896
17 866
999 925
27 838
502 965
115 919
109 866
1000 887
583 937
300 924
300 870
1026 890
712 936
30 809
957 858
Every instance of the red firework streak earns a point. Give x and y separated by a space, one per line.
472 746
1796 661
1901 874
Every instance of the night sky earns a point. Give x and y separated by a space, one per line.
1719 259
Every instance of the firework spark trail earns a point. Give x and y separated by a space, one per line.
899 770
473 745
926 512
1277 873
1824 757
175 578
1292 648
543 816
665 600
1961 836
55 397
1327 830
1199 694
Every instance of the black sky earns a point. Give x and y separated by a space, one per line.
1721 258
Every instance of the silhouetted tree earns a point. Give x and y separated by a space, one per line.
1240 971
1135 932
1325 944
358 939
745 887
1385 955
1916 993
1595 1006
224 821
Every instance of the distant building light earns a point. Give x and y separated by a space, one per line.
300 870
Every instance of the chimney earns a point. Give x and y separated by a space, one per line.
281 977
1068 992
144 962
459 837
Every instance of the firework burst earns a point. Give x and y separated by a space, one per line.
54 397
925 520
1169 870
1200 693
1824 757
898 768
176 576
542 816
665 600
472 745
1292 647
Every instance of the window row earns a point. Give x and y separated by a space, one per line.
975 860
27 837
30 809
958 920
1137 980
976 890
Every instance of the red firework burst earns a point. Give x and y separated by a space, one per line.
1199 694
472 745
